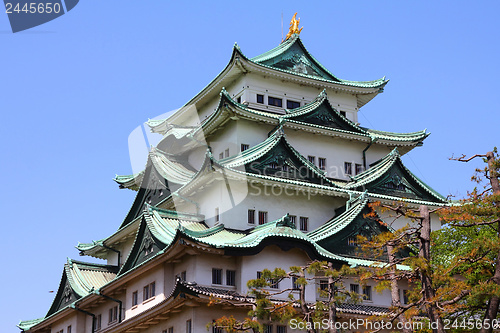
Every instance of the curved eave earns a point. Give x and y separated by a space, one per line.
131 182
96 249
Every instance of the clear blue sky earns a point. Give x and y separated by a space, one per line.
73 89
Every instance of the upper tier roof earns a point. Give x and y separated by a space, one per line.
290 61
291 56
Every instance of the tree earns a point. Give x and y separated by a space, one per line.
478 217
309 315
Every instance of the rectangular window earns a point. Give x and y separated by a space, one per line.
275 285
292 104
217 216
231 277
113 314
293 220
322 163
134 298
68 329
348 168
170 330
262 217
359 168
354 288
280 329
268 328
323 284
405 296
312 159
238 99
226 152
216 276
189 326
221 156
351 241
217 329
304 221
149 291
98 322
342 113
259 275
251 216
244 147
275 101
260 99
367 293
183 276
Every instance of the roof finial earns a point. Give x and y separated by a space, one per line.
294 27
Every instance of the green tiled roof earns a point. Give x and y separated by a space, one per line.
292 57
386 167
27 324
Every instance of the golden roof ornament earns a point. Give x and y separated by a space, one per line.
294 27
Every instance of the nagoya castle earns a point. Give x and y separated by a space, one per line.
266 167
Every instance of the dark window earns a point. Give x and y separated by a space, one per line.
262 217
322 163
275 285
216 276
113 314
292 105
273 165
226 152
293 220
149 291
280 329
259 275
354 288
98 322
230 277
68 330
134 298
312 159
343 113
189 326
367 293
221 156
217 329
268 328
284 167
217 216
251 216
405 296
238 99
182 276
351 241
359 168
323 284
294 282
244 147
348 168
304 221
260 99
275 101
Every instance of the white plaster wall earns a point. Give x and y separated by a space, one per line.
74 320
276 200
156 275
390 218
